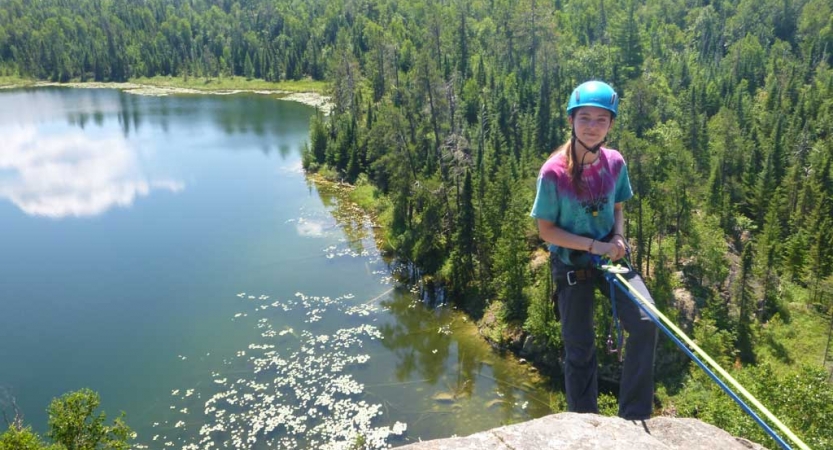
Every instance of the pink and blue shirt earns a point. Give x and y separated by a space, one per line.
587 213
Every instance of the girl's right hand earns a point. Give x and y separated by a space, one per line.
611 251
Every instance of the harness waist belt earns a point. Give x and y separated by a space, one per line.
576 276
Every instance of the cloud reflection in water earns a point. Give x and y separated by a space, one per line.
309 228
71 174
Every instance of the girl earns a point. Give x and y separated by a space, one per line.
578 207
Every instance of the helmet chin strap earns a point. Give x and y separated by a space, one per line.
594 149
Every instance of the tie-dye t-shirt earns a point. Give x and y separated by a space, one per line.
588 213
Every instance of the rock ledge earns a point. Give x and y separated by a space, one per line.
591 431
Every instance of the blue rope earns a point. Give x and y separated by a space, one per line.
610 277
617 324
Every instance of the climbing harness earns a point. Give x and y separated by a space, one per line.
613 273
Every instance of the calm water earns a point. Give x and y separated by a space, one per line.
168 253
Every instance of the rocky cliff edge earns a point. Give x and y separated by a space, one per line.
590 431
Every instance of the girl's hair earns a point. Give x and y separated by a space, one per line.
573 167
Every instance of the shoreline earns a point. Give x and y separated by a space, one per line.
309 98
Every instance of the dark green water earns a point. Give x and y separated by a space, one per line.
168 253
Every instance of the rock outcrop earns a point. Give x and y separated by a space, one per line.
589 431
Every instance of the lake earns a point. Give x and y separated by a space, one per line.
170 254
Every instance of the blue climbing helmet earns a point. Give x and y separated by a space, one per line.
594 93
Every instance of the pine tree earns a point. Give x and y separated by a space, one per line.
768 251
820 256
463 250
543 118
248 67
428 251
463 46
318 138
629 43
510 266
763 190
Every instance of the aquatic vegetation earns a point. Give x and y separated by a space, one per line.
295 389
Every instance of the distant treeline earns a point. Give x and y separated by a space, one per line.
116 40
450 107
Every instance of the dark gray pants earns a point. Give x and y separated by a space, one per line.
576 304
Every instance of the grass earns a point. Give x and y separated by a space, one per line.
202 83
232 83
366 196
800 342
14 80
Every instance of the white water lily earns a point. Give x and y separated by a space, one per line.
298 397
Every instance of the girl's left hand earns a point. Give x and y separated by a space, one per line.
620 247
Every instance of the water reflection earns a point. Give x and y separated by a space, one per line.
263 116
309 228
129 113
239 114
358 226
279 123
25 107
442 348
71 174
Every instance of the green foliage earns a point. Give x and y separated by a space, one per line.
608 404
511 260
716 342
366 195
74 424
799 399
459 269
708 249
23 439
540 320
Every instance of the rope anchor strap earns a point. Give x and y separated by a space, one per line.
613 274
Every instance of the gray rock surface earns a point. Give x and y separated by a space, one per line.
591 431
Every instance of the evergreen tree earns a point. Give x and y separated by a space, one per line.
543 118
463 249
628 41
768 251
248 67
510 266
318 139
463 46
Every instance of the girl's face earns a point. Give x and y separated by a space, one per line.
591 124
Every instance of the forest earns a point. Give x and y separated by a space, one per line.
446 109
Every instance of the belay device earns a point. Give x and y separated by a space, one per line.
614 275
